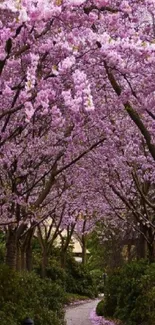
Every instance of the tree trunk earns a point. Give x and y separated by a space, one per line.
29 258
63 258
23 260
151 245
29 250
141 245
44 262
129 255
84 256
151 252
18 258
11 248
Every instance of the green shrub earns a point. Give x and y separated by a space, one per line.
100 308
130 294
75 278
129 291
97 276
79 280
73 297
111 292
56 274
25 294
146 302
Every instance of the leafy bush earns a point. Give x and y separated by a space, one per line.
129 291
74 297
56 273
98 279
146 302
25 294
111 293
130 294
100 308
79 280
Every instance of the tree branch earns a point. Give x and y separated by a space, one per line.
132 113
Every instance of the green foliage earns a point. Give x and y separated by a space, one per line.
75 278
105 254
25 294
79 279
97 276
111 294
100 308
72 297
56 273
146 303
130 294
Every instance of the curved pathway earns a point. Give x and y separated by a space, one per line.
79 315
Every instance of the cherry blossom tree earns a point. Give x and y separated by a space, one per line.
77 97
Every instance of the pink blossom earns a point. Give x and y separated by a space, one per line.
29 111
75 2
67 63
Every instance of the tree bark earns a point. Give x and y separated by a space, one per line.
151 246
129 255
29 258
151 253
18 258
63 258
23 260
84 255
141 244
29 249
11 248
44 262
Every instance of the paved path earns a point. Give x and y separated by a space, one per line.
79 315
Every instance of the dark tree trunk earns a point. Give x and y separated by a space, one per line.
18 258
151 245
29 258
129 255
23 259
29 249
44 262
151 253
63 258
141 244
84 255
11 248
65 244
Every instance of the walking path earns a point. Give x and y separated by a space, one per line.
80 315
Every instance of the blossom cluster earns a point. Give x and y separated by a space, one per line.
77 95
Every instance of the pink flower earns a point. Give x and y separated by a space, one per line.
75 2
29 111
66 63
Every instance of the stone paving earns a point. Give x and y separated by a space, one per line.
79 315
